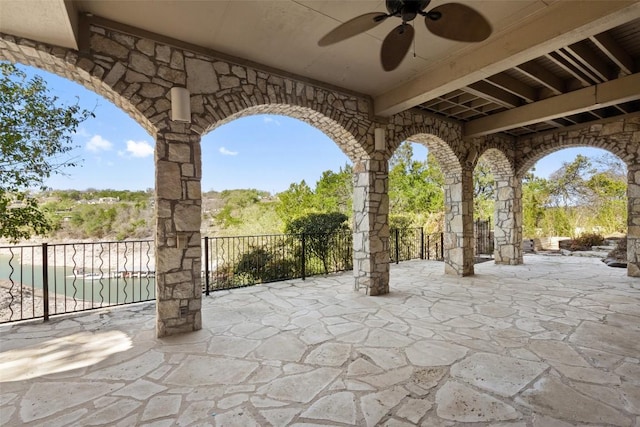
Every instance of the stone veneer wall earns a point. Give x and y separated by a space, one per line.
458 223
508 220
620 136
507 217
178 218
371 225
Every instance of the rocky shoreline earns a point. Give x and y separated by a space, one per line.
18 303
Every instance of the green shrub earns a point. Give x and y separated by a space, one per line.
264 265
585 241
620 252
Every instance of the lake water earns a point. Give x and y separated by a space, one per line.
84 285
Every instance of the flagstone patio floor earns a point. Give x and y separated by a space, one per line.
553 342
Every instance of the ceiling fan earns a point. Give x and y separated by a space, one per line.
454 21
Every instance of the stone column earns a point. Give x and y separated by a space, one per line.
370 225
178 243
508 221
633 220
458 223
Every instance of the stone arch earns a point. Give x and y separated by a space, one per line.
440 136
611 137
137 73
529 162
67 64
342 137
621 137
507 214
500 164
446 157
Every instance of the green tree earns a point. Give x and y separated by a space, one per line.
568 184
582 194
608 201
415 188
236 204
319 230
334 191
296 201
535 200
483 191
35 142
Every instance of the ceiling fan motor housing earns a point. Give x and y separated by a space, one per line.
407 9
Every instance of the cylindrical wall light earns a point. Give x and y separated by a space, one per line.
380 143
180 105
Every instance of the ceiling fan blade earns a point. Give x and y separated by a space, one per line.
352 27
395 46
458 22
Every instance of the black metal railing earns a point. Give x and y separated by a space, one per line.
413 243
39 281
43 280
231 262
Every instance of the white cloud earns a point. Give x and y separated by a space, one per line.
82 132
139 149
98 143
226 152
269 119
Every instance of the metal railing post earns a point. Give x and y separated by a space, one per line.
206 265
421 242
397 247
304 257
45 282
441 245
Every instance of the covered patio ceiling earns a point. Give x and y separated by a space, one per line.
548 64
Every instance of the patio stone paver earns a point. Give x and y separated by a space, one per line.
459 402
500 374
553 342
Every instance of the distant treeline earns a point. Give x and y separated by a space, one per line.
586 195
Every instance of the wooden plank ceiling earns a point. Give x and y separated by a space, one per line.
605 64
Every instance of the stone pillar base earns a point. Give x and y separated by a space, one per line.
178 240
370 227
508 220
458 237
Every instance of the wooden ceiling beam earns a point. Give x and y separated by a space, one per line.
542 76
432 102
466 97
584 53
615 52
514 86
561 62
458 109
494 94
470 113
479 103
613 92
577 64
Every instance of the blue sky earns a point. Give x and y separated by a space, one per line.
264 152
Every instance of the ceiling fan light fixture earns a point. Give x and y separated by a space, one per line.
406 7
453 21
434 15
